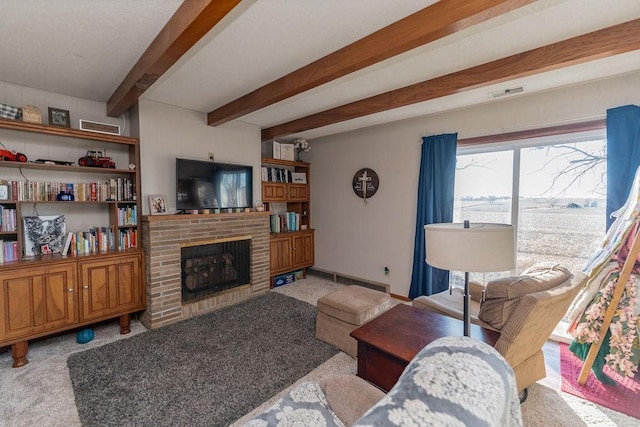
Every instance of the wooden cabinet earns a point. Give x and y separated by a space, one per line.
58 294
294 197
109 286
303 255
281 192
44 293
291 251
274 192
39 300
298 192
280 254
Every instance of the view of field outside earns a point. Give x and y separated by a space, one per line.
561 194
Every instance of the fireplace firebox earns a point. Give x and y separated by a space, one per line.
208 269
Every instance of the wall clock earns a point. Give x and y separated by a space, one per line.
365 183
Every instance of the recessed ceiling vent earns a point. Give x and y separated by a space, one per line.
506 92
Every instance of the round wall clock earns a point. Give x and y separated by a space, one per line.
365 183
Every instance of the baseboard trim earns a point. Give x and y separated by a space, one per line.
350 280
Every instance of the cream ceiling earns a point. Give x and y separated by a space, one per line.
86 48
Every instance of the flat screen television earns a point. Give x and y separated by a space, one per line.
209 185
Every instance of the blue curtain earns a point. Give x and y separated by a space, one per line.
623 154
435 205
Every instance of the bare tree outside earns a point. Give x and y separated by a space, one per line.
581 162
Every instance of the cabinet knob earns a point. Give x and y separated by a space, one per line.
70 289
85 286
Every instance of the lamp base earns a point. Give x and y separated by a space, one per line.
466 311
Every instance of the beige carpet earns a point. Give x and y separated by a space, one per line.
41 394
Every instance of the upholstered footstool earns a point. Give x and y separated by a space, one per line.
342 311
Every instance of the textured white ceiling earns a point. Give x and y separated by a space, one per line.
82 48
85 49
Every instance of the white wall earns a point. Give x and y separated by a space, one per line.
79 108
168 132
358 240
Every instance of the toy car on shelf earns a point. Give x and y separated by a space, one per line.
96 159
12 156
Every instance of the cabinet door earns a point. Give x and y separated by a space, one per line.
303 250
273 192
280 254
298 192
37 300
110 287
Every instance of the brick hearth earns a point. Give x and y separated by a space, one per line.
162 239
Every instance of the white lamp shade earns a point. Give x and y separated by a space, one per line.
480 248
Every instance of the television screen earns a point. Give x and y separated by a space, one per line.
209 185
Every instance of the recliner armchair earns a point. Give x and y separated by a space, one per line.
524 308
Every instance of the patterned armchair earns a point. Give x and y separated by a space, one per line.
524 309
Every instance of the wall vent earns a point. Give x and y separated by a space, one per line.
506 92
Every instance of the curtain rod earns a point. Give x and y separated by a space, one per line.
535 133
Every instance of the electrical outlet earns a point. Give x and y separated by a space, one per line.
211 156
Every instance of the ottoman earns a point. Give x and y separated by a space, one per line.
342 311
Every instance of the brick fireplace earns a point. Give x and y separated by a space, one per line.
165 236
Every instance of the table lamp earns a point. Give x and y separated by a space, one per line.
470 247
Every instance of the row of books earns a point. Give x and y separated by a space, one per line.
7 219
99 239
128 215
8 251
289 221
276 175
117 189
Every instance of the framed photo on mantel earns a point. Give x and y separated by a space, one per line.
158 204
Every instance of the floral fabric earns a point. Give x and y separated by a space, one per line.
305 405
624 344
454 381
588 310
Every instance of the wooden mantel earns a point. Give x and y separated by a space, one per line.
172 217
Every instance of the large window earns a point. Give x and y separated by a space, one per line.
553 193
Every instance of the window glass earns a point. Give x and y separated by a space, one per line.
560 194
483 192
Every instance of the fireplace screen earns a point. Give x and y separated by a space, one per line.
212 268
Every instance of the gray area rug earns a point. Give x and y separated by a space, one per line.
208 370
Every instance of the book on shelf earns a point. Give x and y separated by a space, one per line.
287 221
276 175
7 219
67 244
128 215
8 251
114 189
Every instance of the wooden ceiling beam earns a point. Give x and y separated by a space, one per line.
192 20
431 23
599 44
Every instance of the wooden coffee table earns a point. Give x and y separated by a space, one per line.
387 343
